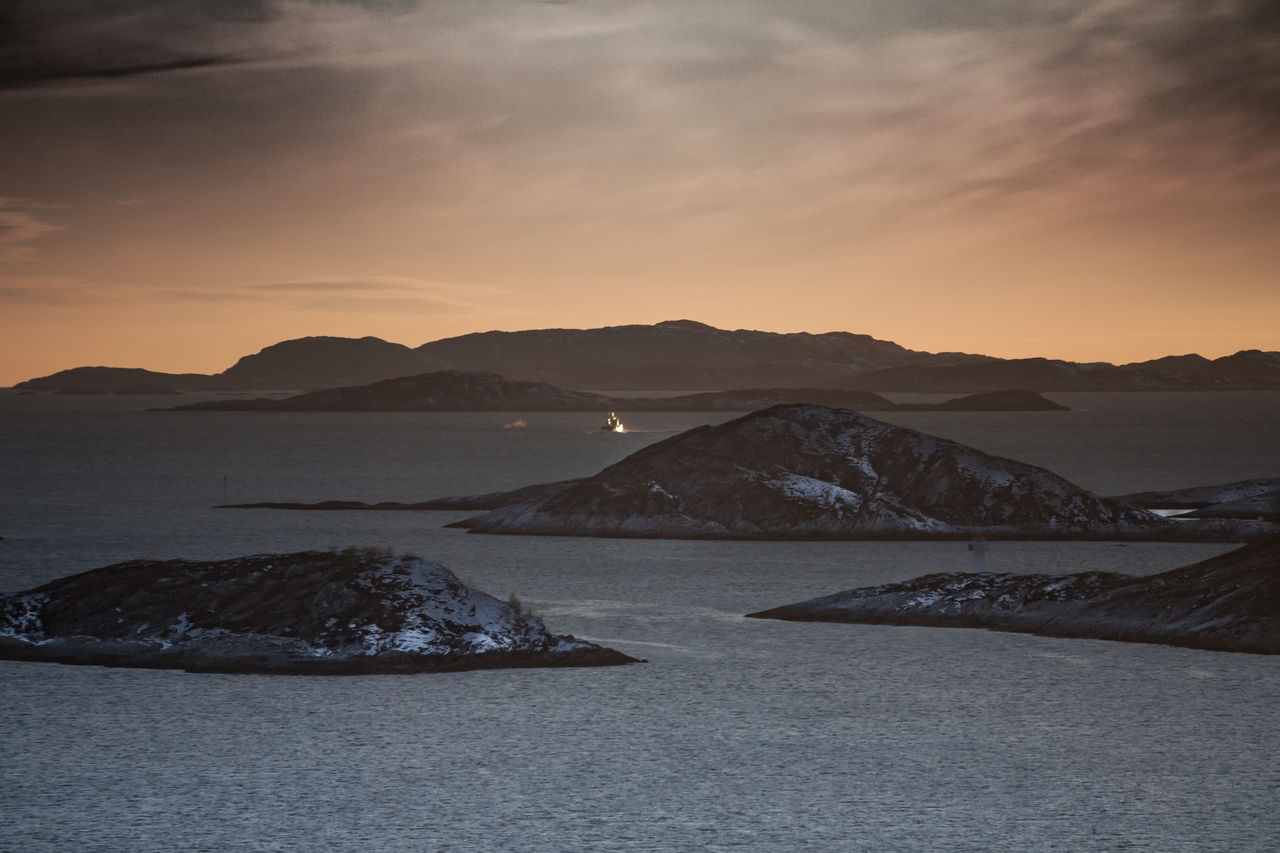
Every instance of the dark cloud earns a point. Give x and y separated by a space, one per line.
35 73
1200 59
50 42
813 120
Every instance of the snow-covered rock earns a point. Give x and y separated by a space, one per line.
1227 603
314 612
810 472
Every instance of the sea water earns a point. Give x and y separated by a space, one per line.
737 733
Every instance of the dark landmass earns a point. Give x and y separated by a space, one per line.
466 503
680 355
1201 497
1228 603
1248 370
809 472
308 613
113 380
326 362
990 401
469 391
444 391
676 355
748 400
315 362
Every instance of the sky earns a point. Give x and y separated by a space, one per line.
183 182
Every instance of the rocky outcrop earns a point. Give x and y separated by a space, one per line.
810 472
1244 492
1264 507
1228 603
321 613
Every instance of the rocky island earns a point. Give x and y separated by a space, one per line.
1227 603
799 471
308 613
811 472
1257 499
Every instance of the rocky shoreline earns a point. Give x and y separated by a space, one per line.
1227 603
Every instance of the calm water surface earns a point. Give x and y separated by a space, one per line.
737 734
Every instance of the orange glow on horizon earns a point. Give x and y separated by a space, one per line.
946 182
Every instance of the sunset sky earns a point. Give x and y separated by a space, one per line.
185 182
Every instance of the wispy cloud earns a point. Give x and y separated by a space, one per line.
50 291
381 294
373 294
20 226
879 111
500 139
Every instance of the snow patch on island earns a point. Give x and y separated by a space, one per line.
353 611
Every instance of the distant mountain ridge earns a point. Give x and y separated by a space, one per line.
477 391
676 355
1247 370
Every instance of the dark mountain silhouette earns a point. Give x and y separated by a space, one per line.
678 355
1249 370
326 362
114 380
675 355
309 363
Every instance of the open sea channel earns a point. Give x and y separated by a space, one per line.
736 735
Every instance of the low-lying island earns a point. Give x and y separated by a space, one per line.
351 612
1227 603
